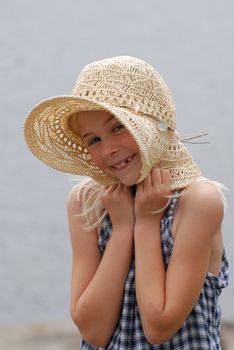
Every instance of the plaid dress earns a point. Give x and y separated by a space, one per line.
200 330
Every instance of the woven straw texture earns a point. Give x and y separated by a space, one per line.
133 92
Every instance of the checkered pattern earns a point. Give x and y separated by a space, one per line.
200 331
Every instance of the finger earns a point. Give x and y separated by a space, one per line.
156 176
107 187
147 183
166 177
126 188
139 187
112 188
120 187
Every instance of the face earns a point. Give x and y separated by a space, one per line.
111 146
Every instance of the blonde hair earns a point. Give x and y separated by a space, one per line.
90 192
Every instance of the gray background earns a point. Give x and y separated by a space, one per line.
44 44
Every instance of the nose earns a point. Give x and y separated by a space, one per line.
109 148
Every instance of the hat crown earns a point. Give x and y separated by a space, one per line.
128 82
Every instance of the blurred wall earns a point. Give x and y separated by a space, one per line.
44 44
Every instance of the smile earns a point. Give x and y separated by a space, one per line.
123 164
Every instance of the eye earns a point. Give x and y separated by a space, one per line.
93 140
118 127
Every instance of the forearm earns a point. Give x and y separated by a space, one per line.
150 272
99 306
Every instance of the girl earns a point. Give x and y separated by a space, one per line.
148 257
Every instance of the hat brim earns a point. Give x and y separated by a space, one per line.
50 139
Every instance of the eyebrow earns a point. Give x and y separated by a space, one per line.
105 122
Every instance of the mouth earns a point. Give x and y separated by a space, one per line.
124 163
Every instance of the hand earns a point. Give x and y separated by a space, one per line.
152 195
119 203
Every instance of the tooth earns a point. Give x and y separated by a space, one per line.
122 164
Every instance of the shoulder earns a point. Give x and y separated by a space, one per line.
202 203
205 195
73 201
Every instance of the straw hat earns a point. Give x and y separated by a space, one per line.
134 93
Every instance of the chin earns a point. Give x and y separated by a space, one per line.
129 182
127 179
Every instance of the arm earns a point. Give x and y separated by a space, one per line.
98 282
166 298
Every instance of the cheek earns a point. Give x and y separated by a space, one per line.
97 159
95 156
129 142
135 146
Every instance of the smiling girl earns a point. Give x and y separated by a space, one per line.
148 257
110 145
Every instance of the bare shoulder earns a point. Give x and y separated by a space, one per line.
74 202
201 203
204 195
78 195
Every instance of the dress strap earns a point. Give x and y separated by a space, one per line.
176 194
